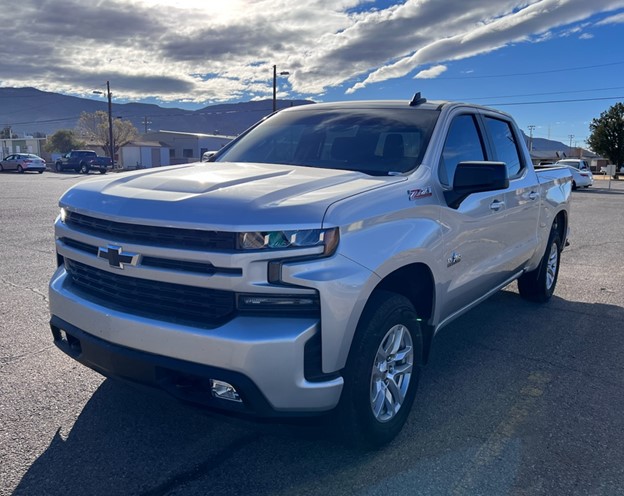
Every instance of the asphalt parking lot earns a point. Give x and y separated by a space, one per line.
518 398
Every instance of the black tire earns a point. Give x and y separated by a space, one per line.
20 169
58 166
379 388
102 171
84 168
539 284
574 185
1 168
40 172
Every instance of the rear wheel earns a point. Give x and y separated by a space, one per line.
1 168
539 284
58 167
382 371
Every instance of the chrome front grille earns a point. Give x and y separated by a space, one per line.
168 237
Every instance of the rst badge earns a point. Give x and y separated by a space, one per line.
416 194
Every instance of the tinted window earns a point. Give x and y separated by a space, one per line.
373 141
463 144
505 146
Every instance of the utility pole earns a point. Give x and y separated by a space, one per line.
110 124
145 123
571 136
531 127
283 73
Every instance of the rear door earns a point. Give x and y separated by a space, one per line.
522 199
490 233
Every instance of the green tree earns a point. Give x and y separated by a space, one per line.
607 134
94 127
6 133
63 141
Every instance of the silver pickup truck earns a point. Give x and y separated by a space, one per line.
306 270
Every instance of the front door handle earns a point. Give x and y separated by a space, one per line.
496 205
533 195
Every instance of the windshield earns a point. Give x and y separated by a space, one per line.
374 141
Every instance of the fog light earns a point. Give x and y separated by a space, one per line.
224 391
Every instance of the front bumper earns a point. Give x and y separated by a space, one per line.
263 357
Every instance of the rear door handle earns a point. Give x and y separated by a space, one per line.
496 205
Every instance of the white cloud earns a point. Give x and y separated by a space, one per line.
431 73
210 50
616 19
586 36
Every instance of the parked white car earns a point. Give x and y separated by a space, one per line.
22 162
581 174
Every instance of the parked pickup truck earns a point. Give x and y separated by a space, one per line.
83 161
306 270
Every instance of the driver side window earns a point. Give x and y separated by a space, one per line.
463 144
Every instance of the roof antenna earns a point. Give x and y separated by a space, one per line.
417 100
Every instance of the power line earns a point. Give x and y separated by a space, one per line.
540 94
550 71
558 101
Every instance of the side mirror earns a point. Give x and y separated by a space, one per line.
476 177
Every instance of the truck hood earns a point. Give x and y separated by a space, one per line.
221 195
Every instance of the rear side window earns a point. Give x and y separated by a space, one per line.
463 144
505 145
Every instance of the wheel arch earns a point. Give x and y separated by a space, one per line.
416 283
560 224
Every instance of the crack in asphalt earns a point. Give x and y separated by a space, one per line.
553 365
33 290
16 358
204 468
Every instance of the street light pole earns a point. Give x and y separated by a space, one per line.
283 73
110 124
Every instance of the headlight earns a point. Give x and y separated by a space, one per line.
63 215
281 240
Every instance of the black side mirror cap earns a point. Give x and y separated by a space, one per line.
476 177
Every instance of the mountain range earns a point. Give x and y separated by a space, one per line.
31 112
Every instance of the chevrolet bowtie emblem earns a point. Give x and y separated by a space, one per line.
116 257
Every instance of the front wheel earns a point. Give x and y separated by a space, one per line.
58 167
539 284
84 169
382 371
20 169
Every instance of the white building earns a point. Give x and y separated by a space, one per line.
144 155
22 145
188 147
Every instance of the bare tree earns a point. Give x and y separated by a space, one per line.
94 126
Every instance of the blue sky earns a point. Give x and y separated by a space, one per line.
514 55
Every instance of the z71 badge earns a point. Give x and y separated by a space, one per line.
415 194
